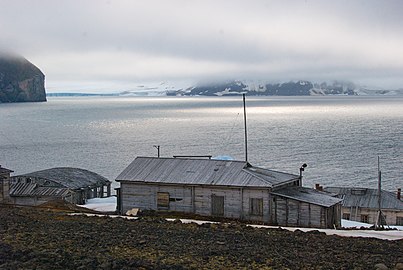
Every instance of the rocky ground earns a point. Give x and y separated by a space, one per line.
48 239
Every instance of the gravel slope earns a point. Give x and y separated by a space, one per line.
45 239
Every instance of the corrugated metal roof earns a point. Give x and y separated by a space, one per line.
307 195
32 189
202 172
4 170
366 198
73 178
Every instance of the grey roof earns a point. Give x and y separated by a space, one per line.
33 189
4 170
366 198
307 195
73 178
202 172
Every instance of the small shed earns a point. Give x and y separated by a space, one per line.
4 184
222 188
70 184
306 207
361 204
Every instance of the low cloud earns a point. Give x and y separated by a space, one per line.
137 41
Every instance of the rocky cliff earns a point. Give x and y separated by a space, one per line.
20 80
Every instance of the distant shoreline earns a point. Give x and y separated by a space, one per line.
81 94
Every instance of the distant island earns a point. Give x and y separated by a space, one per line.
20 80
238 87
291 88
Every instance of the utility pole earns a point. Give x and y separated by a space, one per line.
158 149
246 132
379 222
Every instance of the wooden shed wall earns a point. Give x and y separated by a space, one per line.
257 194
145 197
356 212
196 199
4 188
33 201
289 212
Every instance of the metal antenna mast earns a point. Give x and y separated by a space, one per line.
246 132
379 220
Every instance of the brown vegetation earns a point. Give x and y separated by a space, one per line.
47 239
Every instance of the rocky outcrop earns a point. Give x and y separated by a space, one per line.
20 80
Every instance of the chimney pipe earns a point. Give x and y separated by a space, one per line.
399 193
318 187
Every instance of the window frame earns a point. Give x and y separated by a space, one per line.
346 216
162 200
256 206
364 218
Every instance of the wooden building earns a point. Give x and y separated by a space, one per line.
223 188
361 204
4 184
73 185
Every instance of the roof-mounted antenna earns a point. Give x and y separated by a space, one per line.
246 132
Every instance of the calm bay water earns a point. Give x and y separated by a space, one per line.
339 138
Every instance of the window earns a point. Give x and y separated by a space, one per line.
364 218
399 221
346 216
163 200
358 191
256 206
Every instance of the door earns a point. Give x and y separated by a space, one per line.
217 205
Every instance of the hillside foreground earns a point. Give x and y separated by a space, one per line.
48 239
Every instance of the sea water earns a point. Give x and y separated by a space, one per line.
339 137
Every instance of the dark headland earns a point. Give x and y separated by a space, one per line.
20 80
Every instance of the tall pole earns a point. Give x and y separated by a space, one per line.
246 132
379 195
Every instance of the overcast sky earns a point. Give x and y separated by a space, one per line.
116 44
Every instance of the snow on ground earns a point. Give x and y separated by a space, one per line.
109 205
385 235
101 204
354 224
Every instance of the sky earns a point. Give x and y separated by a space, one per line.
116 45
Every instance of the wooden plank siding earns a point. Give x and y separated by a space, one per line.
230 202
289 212
391 216
195 199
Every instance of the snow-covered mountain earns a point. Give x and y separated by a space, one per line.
298 88
251 87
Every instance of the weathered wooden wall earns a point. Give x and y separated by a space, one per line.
33 201
356 212
196 199
4 188
289 212
206 201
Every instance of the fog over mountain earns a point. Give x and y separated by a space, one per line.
117 45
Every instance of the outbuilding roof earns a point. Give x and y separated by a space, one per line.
202 172
73 178
307 195
4 170
366 198
33 189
